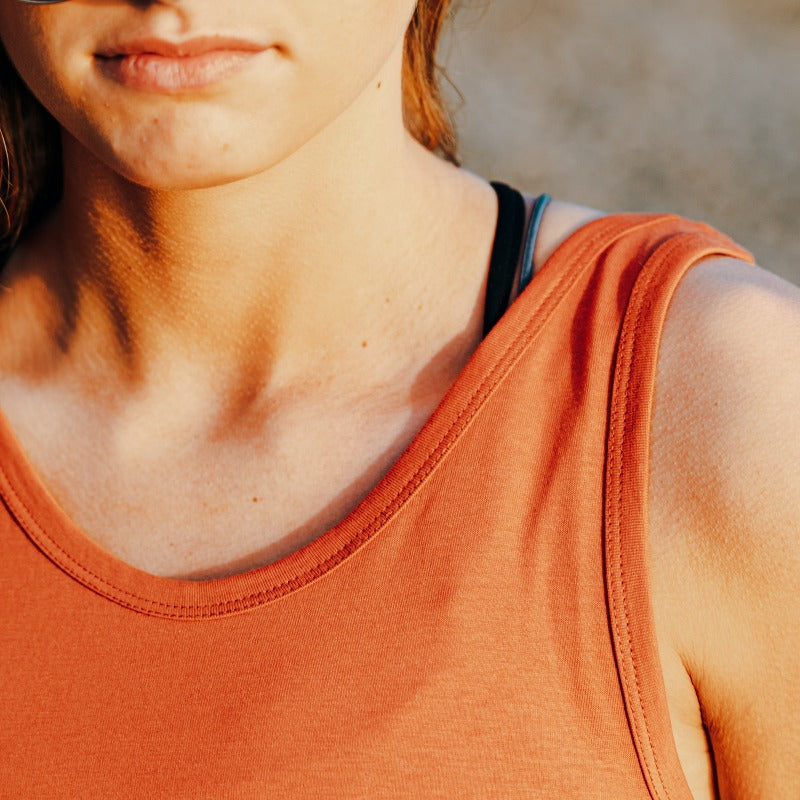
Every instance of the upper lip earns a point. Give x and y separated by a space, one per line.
188 47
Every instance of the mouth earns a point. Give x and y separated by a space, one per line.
159 65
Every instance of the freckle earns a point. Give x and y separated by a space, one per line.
380 83
364 343
255 499
419 307
386 299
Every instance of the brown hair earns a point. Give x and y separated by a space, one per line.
30 151
30 157
426 116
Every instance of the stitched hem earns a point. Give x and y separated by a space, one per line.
626 496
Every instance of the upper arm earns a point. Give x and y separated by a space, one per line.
725 502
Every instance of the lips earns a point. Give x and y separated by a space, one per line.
200 45
159 65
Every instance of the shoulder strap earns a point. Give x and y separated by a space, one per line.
539 206
507 241
679 245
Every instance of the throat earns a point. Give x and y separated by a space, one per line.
200 514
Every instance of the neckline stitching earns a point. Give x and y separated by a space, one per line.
493 377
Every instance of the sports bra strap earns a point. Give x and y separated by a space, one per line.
505 252
526 272
508 241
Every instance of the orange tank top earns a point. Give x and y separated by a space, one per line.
479 626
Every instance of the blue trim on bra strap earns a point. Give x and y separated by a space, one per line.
526 272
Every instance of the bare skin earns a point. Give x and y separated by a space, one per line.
241 314
725 526
134 303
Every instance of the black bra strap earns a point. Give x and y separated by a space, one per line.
507 243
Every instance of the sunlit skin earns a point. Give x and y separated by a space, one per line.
264 285
220 222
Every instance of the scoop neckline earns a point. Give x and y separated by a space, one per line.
64 543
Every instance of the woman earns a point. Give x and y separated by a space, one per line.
310 490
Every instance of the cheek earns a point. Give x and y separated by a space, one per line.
49 58
349 43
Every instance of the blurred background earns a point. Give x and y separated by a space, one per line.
690 106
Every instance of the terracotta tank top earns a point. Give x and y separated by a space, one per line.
479 626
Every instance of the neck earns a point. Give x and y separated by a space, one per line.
277 276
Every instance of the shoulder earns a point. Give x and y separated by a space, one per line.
725 514
559 222
728 385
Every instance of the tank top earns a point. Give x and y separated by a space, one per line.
478 626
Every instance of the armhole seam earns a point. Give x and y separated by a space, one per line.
626 505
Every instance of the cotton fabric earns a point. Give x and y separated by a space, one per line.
479 626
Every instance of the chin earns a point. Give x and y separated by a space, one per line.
172 176
162 157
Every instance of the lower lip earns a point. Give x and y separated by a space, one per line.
171 74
